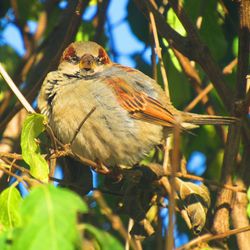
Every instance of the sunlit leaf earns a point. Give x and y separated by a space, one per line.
93 2
179 86
235 46
105 240
10 200
33 126
210 28
248 206
214 169
174 22
86 32
49 220
248 210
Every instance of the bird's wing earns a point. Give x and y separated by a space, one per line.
139 104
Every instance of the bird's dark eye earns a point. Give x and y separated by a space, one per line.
74 59
99 61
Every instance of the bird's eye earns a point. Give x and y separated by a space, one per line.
99 61
74 59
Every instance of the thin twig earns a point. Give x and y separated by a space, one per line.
21 169
19 179
199 97
114 219
209 237
158 51
15 90
229 68
167 149
11 155
81 124
174 167
130 225
209 182
153 54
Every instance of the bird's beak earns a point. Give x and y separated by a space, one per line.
87 63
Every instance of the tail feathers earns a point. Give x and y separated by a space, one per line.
209 119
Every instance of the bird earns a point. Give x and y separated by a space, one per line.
132 113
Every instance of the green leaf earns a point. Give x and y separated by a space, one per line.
211 30
49 220
175 23
211 26
6 239
33 126
92 2
86 32
104 239
248 206
235 46
10 199
248 210
180 87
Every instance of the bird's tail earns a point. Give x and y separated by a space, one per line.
209 119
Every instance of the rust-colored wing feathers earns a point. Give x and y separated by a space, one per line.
140 105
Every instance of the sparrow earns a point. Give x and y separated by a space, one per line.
132 113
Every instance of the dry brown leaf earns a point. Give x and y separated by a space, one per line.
195 200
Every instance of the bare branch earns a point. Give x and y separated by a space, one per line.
158 52
15 90
209 237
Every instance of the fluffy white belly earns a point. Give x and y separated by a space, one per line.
109 135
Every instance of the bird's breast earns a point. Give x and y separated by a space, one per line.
109 135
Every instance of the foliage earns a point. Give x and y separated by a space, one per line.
33 126
55 206
10 200
52 217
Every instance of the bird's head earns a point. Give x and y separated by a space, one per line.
84 58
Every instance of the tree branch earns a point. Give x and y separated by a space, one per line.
190 46
223 203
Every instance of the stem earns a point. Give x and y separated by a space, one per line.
15 90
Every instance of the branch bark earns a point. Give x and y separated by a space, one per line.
240 201
224 198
